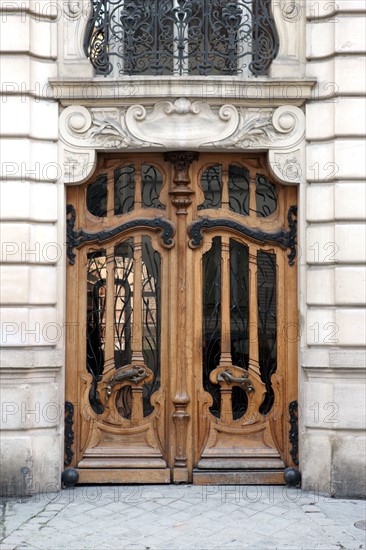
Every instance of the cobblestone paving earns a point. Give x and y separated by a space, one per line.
181 517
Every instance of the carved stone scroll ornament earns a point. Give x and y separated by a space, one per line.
181 125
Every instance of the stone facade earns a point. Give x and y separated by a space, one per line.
55 116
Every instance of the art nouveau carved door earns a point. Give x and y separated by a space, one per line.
181 362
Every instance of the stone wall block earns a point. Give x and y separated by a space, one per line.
28 117
348 460
23 34
319 401
320 202
338 76
320 286
44 202
29 243
28 160
321 328
14 285
351 243
348 412
33 406
14 200
351 326
316 456
350 286
25 76
350 200
321 247
30 326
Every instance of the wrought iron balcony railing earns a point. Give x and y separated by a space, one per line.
179 37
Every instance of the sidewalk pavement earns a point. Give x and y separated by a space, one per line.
182 517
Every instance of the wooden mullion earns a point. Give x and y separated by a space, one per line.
252 193
136 337
109 311
138 186
225 186
110 192
225 358
253 307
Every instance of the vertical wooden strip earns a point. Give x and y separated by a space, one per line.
225 358
138 187
109 312
253 309
136 337
252 193
110 194
225 186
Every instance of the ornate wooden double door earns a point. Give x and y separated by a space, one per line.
181 361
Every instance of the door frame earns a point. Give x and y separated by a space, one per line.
180 195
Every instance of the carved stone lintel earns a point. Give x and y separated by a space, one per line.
182 125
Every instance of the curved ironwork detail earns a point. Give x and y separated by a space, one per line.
267 323
197 37
285 239
292 236
77 238
293 434
211 185
95 323
69 432
197 227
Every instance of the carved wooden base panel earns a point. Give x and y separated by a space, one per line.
238 477
119 476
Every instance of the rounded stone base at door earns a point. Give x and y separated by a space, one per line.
70 477
292 476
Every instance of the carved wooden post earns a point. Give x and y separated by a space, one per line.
181 199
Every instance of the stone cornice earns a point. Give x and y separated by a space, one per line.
128 90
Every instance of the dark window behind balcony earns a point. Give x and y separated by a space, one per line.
179 37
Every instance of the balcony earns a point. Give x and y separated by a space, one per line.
181 38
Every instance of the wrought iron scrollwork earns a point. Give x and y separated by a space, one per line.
197 37
293 434
285 239
69 432
292 236
202 224
76 238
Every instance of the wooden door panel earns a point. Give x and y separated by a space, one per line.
182 299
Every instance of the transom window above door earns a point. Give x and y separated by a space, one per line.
123 188
179 37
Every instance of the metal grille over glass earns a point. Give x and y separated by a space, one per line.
126 301
199 37
243 292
